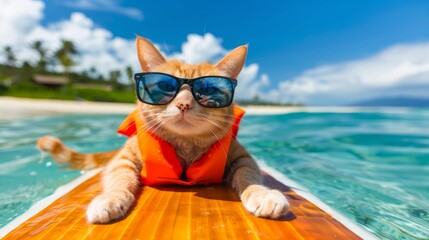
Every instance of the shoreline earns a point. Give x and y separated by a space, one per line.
16 108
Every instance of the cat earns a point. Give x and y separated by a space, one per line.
191 137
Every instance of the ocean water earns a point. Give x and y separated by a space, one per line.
372 167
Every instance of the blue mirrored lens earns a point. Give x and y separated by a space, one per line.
157 88
213 91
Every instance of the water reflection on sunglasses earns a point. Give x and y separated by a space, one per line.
213 100
206 100
155 94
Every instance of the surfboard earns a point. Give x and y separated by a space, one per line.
178 212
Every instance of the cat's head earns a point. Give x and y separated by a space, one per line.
184 116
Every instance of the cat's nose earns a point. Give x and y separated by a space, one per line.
183 107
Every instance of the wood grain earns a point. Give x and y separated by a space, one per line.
175 212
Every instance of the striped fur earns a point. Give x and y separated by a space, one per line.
62 154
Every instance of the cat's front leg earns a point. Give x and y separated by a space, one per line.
121 181
264 202
108 207
245 178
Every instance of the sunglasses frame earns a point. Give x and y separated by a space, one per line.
182 81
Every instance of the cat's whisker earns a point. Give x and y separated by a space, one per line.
227 131
146 127
214 123
132 124
217 139
225 151
232 122
221 117
224 130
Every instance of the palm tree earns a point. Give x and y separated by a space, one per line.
65 55
130 74
10 55
39 48
114 78
93 72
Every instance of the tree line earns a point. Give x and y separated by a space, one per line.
65 56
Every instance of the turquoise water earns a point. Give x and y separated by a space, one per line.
372 167
25 176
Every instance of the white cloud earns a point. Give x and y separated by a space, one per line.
250 82
18 17
100 49
107 6
400 70
199 49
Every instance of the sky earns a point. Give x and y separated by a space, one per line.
313 52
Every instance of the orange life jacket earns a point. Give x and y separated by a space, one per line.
161 165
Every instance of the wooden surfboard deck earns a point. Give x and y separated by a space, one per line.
176 212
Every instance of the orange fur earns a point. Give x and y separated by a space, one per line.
191 132
63 154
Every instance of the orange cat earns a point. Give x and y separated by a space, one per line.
182 131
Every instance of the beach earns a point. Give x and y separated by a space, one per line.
14 108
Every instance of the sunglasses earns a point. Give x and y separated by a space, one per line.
209 91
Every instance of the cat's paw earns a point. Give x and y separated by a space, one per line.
263 202
107 207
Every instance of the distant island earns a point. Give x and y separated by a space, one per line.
400 101
39 80
256 101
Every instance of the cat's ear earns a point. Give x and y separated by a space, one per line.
232 63
149 56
